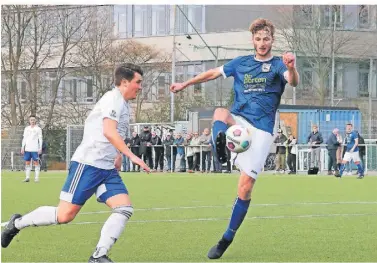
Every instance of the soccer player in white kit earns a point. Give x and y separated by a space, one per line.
31 148
259 82
94 168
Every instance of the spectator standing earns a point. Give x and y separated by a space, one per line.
205 140
314 139
280 151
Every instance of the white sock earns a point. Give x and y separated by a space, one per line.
112 229
42 216
37 170
27 171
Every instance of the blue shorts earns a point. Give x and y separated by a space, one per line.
31 155
84 180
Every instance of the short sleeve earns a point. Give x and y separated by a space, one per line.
111 108
228 69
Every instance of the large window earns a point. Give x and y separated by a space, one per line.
123 20
364 16
156 20
140 19
328 14
307 76
160 20
363 80
78 90
22 90
195 15
338 81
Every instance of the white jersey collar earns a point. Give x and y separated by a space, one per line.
263 60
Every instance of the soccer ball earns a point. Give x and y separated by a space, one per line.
238 138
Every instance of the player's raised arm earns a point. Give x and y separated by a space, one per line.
202 77
291 74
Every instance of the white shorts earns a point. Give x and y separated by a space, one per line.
354 156
252 161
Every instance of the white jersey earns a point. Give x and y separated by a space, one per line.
32 140
95 149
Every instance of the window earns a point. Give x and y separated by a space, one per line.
303 14
364 16
69 90
122 20
195 16
338 81
328 14
161 86
5 87
307 76
160 20
140 26
363 79
89 90
23 91
198 89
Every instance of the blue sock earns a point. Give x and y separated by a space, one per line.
218 126
239 212
360 169
342 168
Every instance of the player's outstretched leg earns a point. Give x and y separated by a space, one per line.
113 227
240 209
42 216
221 119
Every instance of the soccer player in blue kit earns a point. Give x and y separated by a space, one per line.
352 151
94 168
259 82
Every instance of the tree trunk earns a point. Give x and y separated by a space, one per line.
13 110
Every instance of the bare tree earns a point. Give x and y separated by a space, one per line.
72 25
154 63
315 42
37 52
93 55
15 22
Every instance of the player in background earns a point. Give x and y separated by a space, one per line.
352 151
94 168
259 82
31 148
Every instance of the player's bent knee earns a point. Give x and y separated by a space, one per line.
244 192
221 114
65 217
245 187
66 212
125 210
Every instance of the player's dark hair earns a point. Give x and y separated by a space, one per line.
32 116
350 124
126 71
262 24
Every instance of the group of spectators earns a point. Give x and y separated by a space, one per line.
286 151
160 152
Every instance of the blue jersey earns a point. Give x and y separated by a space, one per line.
350 141
258 86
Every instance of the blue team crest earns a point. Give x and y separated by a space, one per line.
266 67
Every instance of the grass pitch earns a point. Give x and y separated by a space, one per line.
178 217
